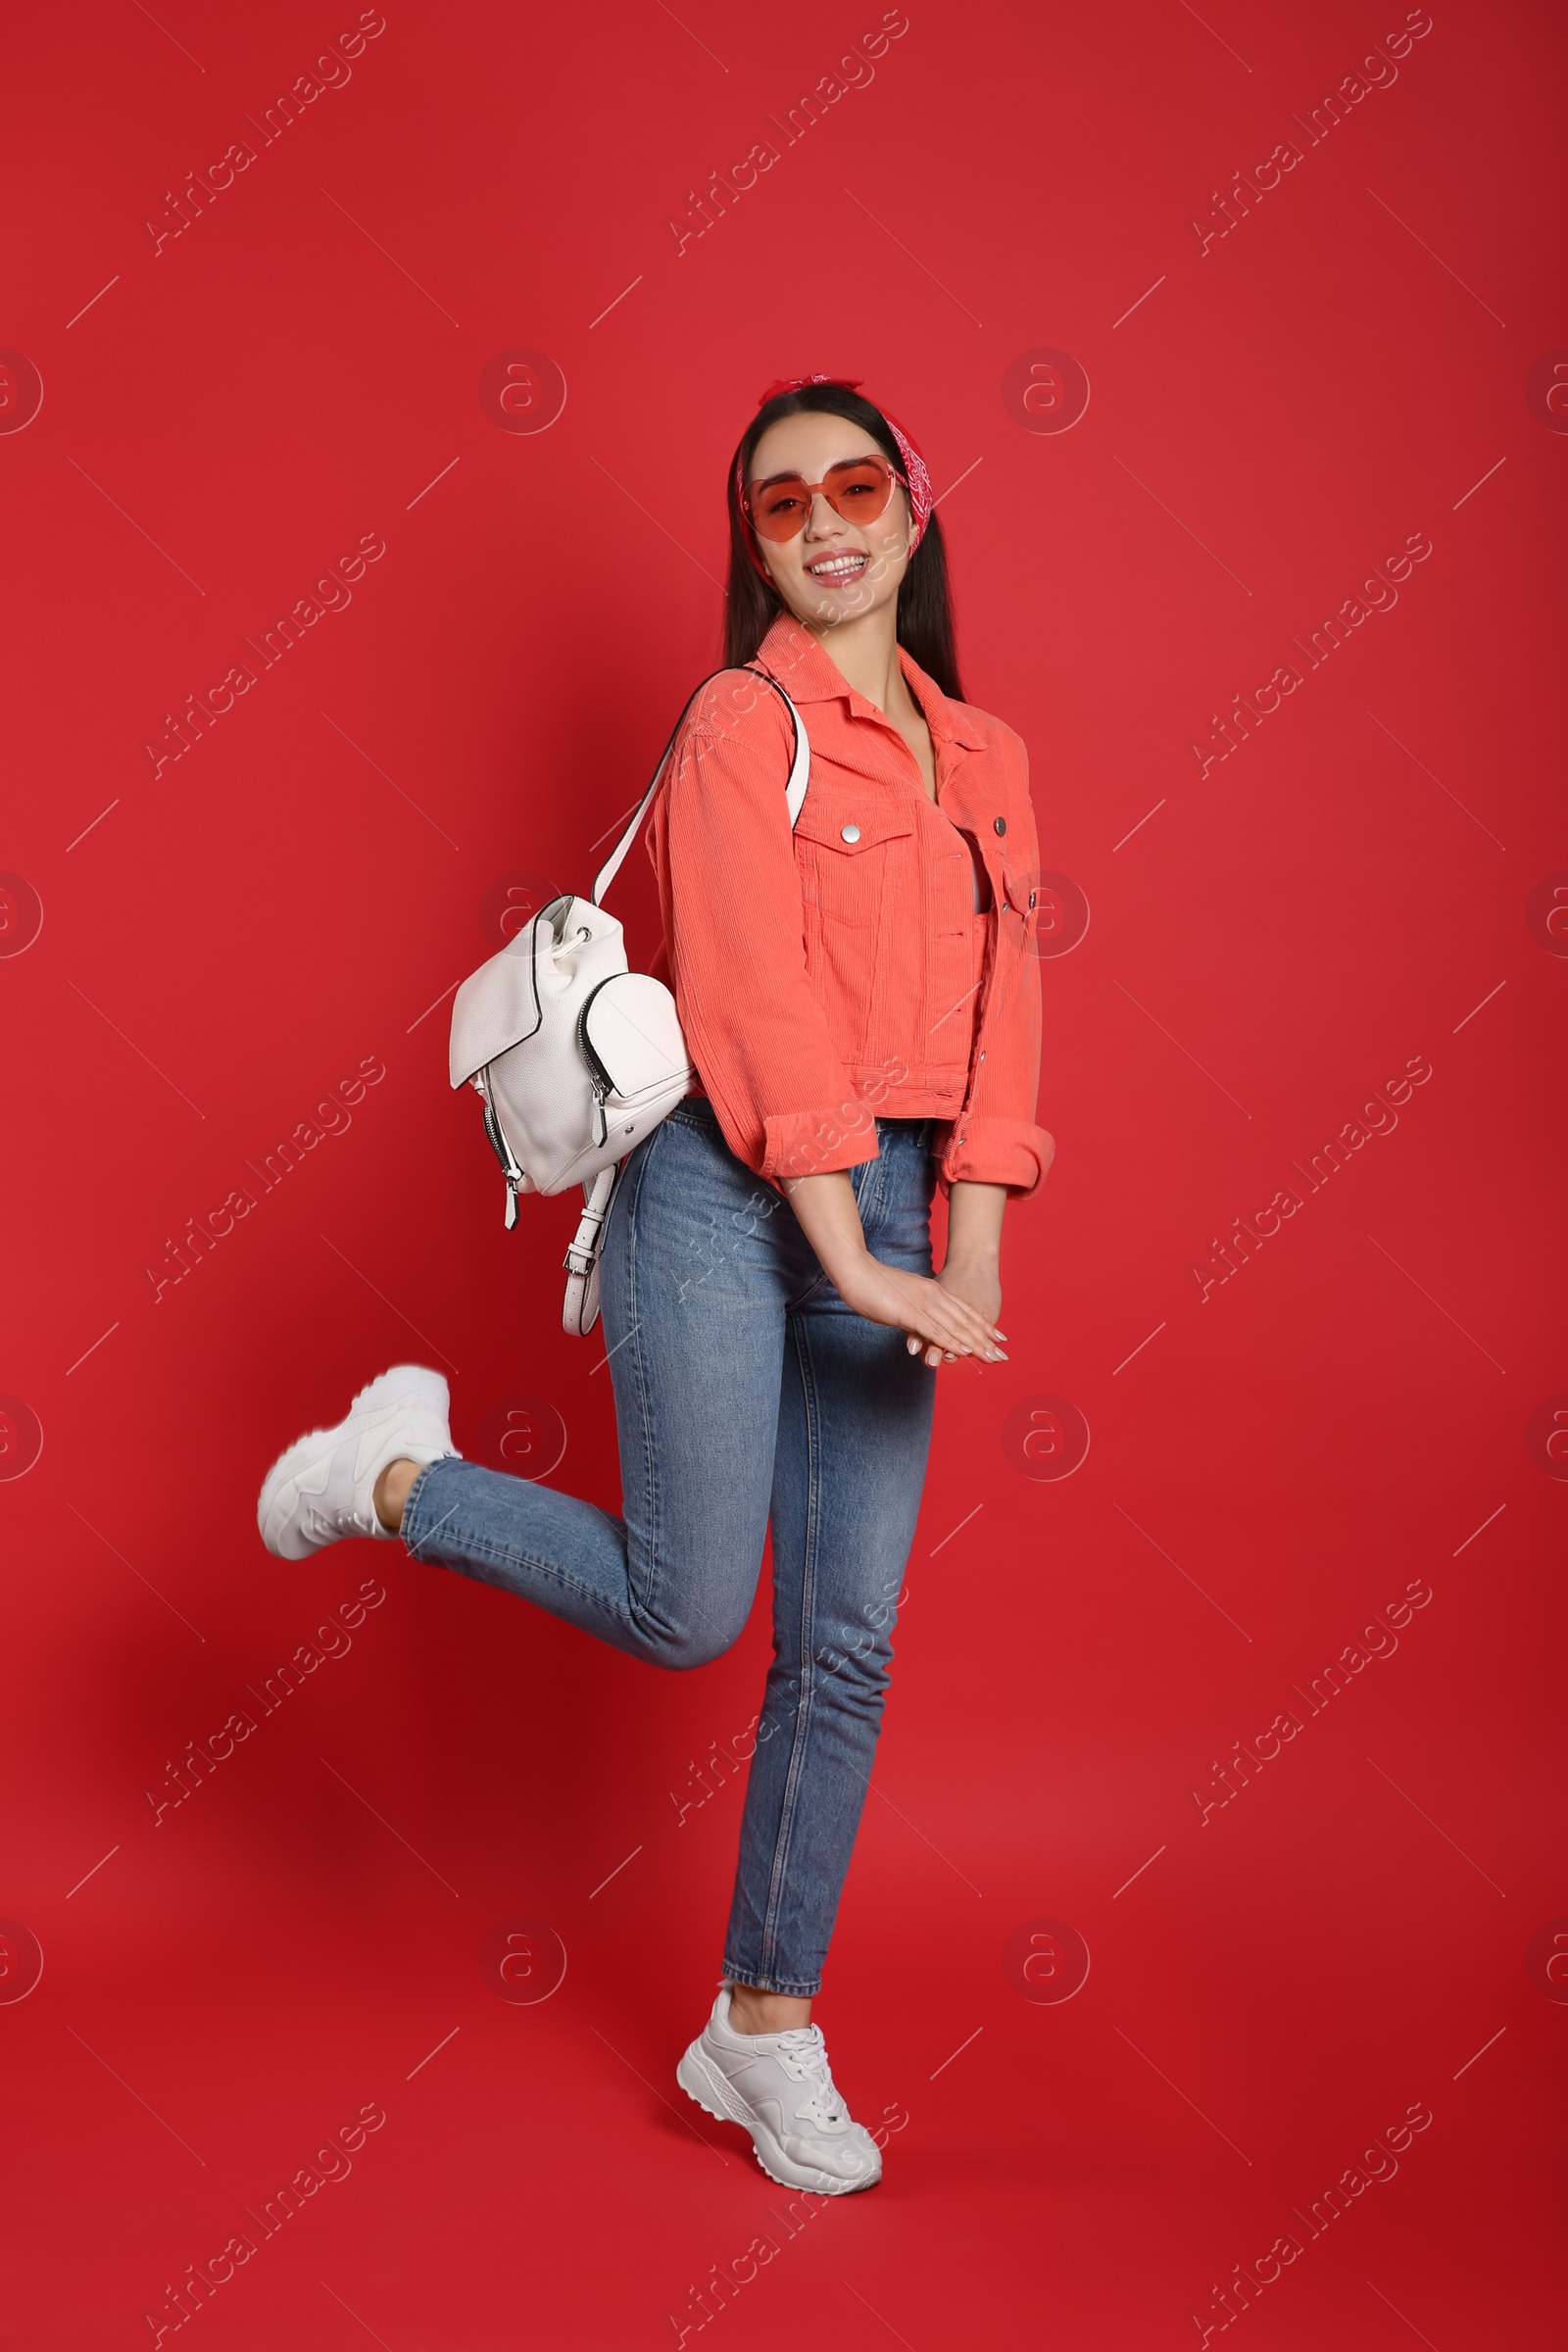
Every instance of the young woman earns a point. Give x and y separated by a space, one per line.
862 1004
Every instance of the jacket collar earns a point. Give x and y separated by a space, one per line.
807 674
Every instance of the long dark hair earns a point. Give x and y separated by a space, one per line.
924 620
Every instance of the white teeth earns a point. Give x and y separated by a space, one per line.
835 565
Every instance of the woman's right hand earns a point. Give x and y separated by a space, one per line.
912 1303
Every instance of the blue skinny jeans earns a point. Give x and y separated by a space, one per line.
745 1391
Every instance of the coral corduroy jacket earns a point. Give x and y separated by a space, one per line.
842 974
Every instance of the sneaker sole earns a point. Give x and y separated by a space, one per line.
421 1387
702 2081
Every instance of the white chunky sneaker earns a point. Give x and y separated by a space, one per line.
778 2086
322 1490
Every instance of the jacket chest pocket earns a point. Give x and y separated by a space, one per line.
849 855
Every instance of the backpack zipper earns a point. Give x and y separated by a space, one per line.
604 1084
502 1150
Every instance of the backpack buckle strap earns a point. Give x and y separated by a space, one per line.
584 1250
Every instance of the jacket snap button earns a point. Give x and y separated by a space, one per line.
1001 824
851 833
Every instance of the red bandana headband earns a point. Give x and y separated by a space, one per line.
916 479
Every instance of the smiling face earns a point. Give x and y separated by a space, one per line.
835 569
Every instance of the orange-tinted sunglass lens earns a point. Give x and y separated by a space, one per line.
858 489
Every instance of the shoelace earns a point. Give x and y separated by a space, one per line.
803 2054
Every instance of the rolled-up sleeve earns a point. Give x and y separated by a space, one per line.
1000 1150
734 930
998 1139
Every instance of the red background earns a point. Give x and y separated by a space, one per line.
222 418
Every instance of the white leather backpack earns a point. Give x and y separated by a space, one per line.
574 1057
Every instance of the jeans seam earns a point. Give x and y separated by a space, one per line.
808 1685
648 1602
874 1186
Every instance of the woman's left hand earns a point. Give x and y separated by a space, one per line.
979 1286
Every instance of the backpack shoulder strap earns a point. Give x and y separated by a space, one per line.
794 790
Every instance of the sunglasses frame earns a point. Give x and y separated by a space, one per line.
885 467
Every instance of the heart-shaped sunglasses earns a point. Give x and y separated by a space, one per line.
856 488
